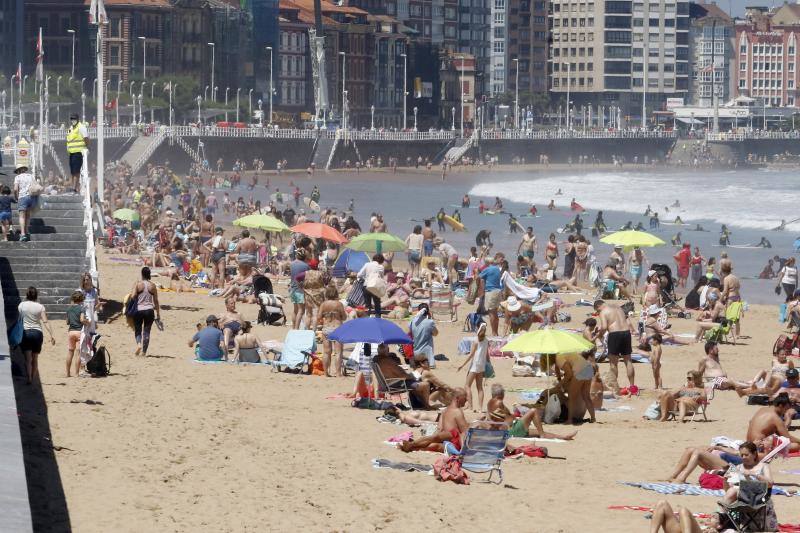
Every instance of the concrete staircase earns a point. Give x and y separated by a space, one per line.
323 152
52 261
459 149
141 149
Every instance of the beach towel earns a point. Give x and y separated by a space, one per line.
640 358
341 396
448 468
402 437
537 439
794 472
520 291
403 466
687 489
617 409
783 528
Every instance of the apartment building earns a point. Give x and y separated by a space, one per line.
620 51
711 52
527 46
498 31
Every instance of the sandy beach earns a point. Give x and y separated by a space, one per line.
167 444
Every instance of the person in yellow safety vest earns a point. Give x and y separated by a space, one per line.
77 141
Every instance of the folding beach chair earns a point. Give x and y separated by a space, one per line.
298 346
733 314
751 509
483 451
701 410
442 304
391 386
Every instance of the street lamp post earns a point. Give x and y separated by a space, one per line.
94 89
372 117
3 97
141 117
24 79
405 91
72 76
214 93
516 93
461 80
249 105
238 90
269 49
260 113
119 88
646 68
569 82
205 93
213 65
82 80
453 115
152 118
199 99
226 103
344 91
144 56
415 118
83 106
58 86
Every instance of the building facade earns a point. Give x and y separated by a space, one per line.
390 43
498 65
711 51
473 38
12 20
528 45
619 52
457 77
766 56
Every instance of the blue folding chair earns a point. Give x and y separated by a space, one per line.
298 347
483 451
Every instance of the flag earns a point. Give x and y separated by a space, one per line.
709 68
19 74
111 105
39 58
97 12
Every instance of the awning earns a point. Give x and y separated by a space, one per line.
689 121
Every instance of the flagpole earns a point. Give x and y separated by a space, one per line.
100 19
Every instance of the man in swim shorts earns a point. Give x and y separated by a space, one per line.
452 427
611 319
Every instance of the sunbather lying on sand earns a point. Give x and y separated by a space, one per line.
413 418
683 521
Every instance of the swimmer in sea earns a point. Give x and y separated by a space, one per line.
678 220
481 207
498 204
628 226
781 227
676 240
465 201
639 226
559 193
648 211
551 205
676 204
699 228
764 243
533 210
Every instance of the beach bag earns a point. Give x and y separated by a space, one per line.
376 285
15 334
472 322
356 296
488 371
448 468
99 366
653 411
711 481
552 411
522 370
35 189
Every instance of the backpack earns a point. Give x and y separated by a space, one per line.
99 366
784 344
472 322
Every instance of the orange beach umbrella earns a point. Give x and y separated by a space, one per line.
320 231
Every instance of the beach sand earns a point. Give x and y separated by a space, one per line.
172 445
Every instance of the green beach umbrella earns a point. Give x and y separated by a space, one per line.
377 242
126 214
260 221
631 238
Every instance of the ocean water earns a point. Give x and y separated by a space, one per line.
748 199
749 202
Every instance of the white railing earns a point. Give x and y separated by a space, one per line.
377 135
60 134
54 154
158 138
86 191
743 136
457 152
575 134
188 149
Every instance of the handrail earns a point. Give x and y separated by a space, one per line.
748 135
86 191
575 134
145 156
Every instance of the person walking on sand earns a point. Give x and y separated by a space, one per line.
477 361
611 318
33 317
148 311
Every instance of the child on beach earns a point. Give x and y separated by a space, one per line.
5 210
655 359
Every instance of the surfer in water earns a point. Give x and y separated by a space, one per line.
654 222
781 227
678 220
639 226
484 238
559 193
764 243
724 236
481 207
551 205
676 240
440 219
627 227
352 205
512 223
648 211
465 201
599 223
699 228
677 203
498 204
575 206
456 215
533 210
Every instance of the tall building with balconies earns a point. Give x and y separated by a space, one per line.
617 52
498 64
711 52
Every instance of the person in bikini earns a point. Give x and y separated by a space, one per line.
769 382
331 315
246 251
452 427
217 247
498 414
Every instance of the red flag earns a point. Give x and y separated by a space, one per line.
40 58
19 74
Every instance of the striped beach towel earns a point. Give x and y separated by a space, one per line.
687 489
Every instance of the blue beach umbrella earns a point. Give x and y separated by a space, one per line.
370 329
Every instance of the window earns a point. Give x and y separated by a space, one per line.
499 4
618 22
618 67
618 52
115 27
791 50
669 23
791 67
114 58
742 84
499 33
652 52
499 47
637 82
500 18
638 67
617 36
652 82
653 22
743 65
743 49
638 23
618 82
652 67
669 68
616 6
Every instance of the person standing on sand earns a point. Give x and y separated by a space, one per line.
427 238
33 317
148 310
414 243
477 357
683 260
611 318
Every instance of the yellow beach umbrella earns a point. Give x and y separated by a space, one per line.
260 221
548 341
632 238
125 214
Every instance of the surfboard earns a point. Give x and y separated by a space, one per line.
741 246
454 224
685 224
311 204
488 212
528 215
459 206
522 229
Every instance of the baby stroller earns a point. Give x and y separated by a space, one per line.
667 282
270 305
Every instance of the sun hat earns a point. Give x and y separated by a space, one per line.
512 304
651 273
